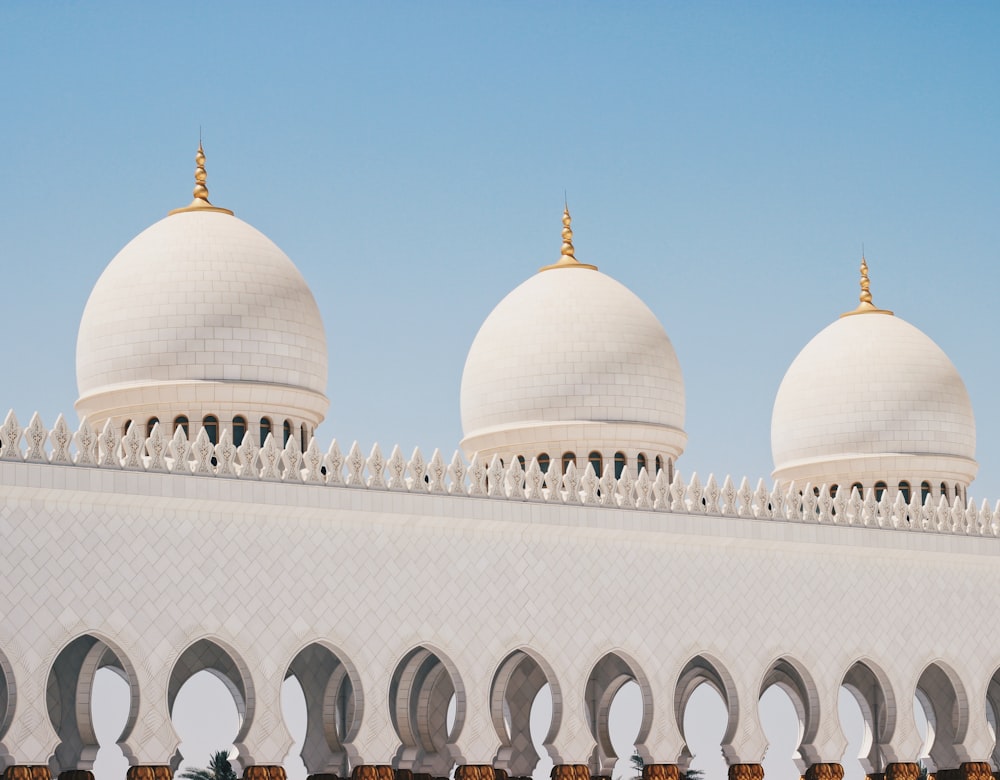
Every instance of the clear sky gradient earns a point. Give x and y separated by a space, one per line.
725 161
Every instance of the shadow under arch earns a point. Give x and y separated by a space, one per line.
993 715
869 685
943 697
706 669
420 693
219 659
69 698
334 699
613 670
795 681
8 698
516 683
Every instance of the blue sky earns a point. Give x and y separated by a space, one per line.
725 161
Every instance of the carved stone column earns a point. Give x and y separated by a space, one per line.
264 772
76 774
373 772
902 771
747 772
26 772
475 772
661 772
824 772
570 772
970 770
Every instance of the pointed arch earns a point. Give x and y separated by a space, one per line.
420 693
612 671
69 697
868 683
215 656
706 669
335 703
514 687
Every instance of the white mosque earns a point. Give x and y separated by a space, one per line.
394 586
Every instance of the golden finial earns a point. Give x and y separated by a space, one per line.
865 306
200 202
567 257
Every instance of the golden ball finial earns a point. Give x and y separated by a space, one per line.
200 202
567 256
865 306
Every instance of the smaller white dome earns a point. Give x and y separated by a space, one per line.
572 360
871 398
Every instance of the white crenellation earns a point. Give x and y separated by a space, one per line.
494 478
355 465
376 469
457 473
249 454
34 437
226 455
515 481
417 467
477 472
571 485
333 461
270 460
397 470
589 485
534 481
823 504
436 473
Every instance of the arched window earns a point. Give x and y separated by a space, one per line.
125 427
239 430
543 462
904 489
265 430
182 422
567 458
620 463
958 492
211 425
833 490
925 492
597 462
287 433
149 426
880 488
305 438
659 464
944 491
520 459
641 461
860 487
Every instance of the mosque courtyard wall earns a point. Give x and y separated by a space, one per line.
386 587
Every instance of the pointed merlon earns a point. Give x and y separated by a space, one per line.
865 306
200 202
567 256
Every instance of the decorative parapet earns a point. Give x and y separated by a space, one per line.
180 455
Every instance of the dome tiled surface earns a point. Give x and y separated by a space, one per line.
871 384
569 345
201 296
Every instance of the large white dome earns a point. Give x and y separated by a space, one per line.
572 360
201 314
869 399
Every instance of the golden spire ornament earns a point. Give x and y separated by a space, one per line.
865 306
200 202
567 256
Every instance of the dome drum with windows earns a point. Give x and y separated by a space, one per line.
202 320
872 402
573 366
